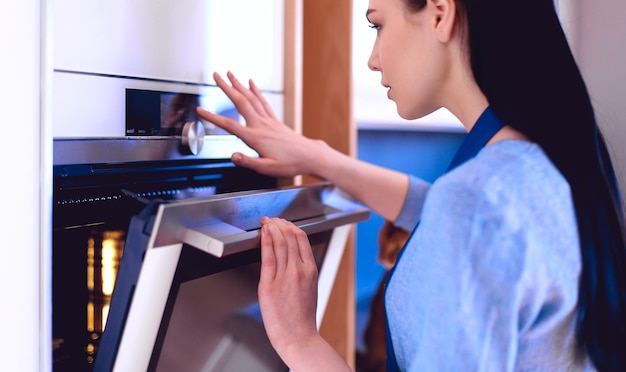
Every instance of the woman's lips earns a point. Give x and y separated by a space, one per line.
388 89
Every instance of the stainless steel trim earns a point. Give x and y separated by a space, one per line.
133 149
150 79
227 224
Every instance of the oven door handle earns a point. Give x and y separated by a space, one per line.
229 223
222 239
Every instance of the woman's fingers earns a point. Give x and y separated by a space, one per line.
305 252
282 152
241 102
296 241
257 92
256 101
284 245
247 103
268 257
226 123
289 244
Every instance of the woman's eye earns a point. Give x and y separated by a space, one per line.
375 27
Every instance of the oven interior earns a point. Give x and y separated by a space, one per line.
93 207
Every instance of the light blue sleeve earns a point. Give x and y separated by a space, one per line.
412 210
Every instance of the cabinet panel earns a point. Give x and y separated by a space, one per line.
183 40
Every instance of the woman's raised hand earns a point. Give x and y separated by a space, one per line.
283 152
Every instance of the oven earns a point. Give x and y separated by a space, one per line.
156 262
95 197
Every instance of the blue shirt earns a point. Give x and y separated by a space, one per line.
489 280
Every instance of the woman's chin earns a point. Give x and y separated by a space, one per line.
412 114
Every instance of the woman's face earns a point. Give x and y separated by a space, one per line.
409 56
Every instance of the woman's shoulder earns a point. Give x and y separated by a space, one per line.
510 195
507 170
512 182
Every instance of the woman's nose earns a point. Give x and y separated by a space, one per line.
373 62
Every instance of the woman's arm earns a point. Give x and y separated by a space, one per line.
284 153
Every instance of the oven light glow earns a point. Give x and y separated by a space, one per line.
110 261
90 263
90 317
112 247
104 252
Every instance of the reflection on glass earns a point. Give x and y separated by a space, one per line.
104 252
176 110
111 254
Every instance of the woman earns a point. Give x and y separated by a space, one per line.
518 261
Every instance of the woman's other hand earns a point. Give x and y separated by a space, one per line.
288 299
288 287
282 151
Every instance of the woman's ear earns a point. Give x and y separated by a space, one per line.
445 18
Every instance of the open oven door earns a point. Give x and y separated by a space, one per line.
185 295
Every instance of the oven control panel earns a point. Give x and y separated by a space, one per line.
152 113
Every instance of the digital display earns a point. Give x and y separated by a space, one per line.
154 113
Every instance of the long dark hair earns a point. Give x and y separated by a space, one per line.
523 64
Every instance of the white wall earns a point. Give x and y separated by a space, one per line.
600 47
21 159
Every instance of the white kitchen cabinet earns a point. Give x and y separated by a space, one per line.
101 48
179 41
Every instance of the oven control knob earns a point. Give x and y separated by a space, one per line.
193 137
